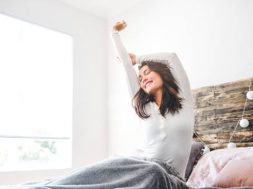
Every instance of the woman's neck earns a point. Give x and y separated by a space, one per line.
158 97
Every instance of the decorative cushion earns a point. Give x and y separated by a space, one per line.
235 173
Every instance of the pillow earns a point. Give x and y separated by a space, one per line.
196 153
235 173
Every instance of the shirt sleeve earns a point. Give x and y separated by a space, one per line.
133 83
171 59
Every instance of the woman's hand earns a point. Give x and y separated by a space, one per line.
119 26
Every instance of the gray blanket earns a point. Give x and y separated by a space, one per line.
119 172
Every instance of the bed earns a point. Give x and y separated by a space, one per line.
217 112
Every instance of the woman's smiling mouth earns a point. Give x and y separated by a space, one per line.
147 83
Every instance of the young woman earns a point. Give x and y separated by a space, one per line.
162 99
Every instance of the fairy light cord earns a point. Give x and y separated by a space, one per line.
197 135
234 131
242 114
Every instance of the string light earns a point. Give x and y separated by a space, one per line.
243 122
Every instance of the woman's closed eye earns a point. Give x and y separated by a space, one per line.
146 72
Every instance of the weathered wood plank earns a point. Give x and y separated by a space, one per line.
206 129
203 97
243 136
204 117
209 139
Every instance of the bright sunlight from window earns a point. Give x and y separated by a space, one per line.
35 96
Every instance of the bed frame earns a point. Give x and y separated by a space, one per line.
218 108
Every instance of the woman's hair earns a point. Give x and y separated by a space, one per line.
171 102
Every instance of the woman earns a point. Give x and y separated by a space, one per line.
162 99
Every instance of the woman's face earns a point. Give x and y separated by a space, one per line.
149 80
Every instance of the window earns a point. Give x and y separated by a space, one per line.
36 89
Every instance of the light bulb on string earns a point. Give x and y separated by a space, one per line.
231 145
206 149
250 95
244 123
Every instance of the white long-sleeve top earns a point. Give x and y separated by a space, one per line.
168 139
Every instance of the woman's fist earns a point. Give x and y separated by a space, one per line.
119 26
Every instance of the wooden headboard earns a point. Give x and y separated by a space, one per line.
217 111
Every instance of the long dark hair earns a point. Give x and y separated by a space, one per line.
171 102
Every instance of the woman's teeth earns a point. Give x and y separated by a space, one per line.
148 83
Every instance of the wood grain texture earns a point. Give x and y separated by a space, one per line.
218 109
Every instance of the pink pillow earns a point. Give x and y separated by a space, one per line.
235 173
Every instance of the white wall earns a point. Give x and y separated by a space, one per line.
90 85
213 39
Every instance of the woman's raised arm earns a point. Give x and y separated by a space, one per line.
133 83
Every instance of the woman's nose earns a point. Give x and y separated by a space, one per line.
144 79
